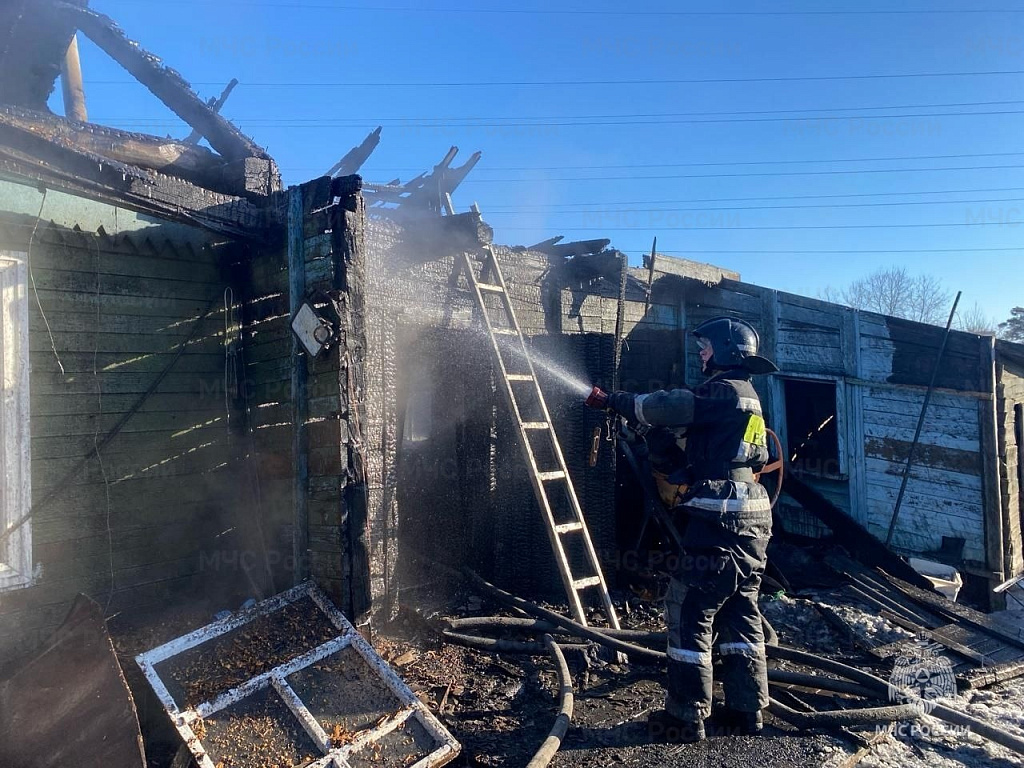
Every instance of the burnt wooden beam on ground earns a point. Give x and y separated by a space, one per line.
853 535
166 84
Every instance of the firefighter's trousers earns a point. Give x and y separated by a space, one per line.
713 591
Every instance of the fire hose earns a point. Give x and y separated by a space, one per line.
565 701
913 708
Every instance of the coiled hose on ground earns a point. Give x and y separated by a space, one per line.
852 680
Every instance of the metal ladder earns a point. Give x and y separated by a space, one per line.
542 480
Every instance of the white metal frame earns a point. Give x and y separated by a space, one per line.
15 437
334 757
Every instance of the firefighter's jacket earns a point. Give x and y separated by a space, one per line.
726 444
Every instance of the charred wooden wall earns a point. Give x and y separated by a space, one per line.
460 492
304 413
164 513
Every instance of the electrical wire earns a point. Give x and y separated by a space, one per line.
794 227
445 120
749 175
588 11
777 197
688 165
559 83
32 279
520 211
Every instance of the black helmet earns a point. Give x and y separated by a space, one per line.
735 344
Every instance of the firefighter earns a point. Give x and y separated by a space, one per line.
728 519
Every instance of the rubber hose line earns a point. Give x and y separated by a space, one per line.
551 744
538 625
506 646
935 709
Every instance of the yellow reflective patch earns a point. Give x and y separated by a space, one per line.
756 433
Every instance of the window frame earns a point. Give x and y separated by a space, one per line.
15 438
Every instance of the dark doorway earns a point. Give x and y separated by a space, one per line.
812 428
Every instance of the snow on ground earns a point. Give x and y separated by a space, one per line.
933 744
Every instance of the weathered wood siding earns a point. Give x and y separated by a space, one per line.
165 511
1010 401
944 492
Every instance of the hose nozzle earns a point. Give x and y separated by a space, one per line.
597 398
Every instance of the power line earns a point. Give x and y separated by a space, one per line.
451 118
795 227
694 165
519 211
845 252
781 197
589 12
450 127
550 83
745 175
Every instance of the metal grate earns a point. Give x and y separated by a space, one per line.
432 746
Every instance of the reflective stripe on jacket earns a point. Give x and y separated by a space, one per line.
725 441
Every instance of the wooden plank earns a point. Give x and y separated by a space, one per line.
48 411
134 343
951 435
1013 636
967 506
123 285
84 259
133 443
926 456
299 377
995 542
120 468
85 301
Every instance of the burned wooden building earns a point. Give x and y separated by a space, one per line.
169 438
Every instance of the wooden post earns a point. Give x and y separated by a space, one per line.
300 376
990 480
71 83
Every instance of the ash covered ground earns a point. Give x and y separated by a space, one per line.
500 707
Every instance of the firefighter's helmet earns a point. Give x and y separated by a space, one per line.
735 344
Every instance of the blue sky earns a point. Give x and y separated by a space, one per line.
597 121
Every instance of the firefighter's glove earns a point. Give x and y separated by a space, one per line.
623 403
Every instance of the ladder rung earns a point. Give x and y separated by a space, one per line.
556 475
518 377
535 425
568 527
506 331
490 287
590 581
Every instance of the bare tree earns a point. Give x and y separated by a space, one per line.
896 292
975 320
